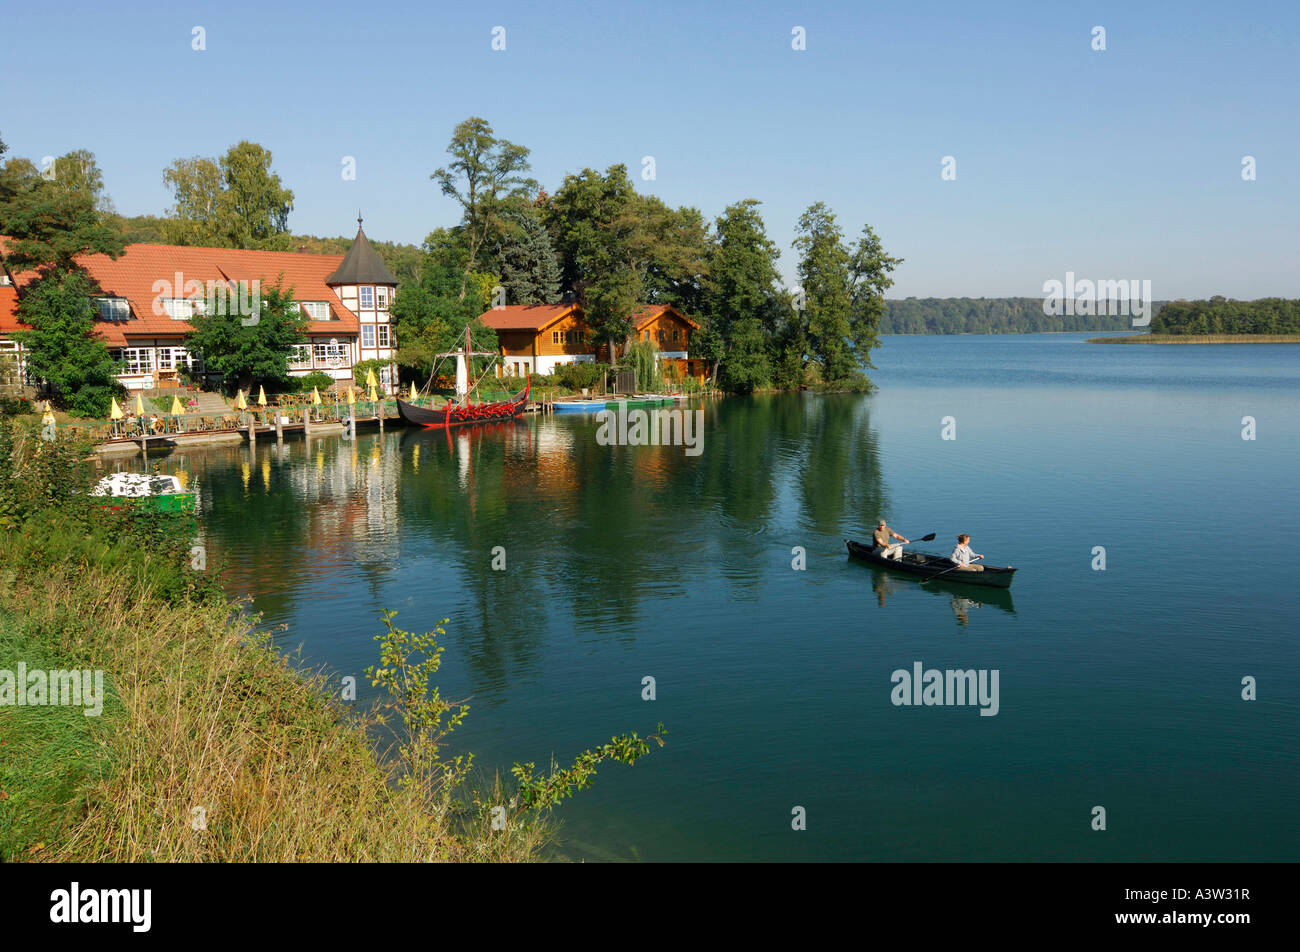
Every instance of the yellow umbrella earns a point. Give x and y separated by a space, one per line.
373 396
315 397
261 396
351 398
177 410
240 402
413 396
370 377
139 405
115 412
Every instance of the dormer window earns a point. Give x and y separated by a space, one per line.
113 309
181 309
318 310
381 298
367 297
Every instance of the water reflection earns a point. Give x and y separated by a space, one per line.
592 536
962 598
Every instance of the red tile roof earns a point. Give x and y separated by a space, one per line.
146 272
526 317
9 311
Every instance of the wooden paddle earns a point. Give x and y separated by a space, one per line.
946 571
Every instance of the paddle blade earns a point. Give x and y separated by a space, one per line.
926 538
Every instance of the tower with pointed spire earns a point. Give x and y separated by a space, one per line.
366 287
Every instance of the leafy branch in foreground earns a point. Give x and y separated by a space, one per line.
542 793
422 710
420 705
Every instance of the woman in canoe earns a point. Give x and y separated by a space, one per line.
964 557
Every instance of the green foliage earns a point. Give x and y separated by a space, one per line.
430 318
643 356
47 516
1017 315
590 219
530 272
232 202
62 347
318 379
407 662
486 177
843 292
51 221
247 347
543 793
575 376
1219 315
360 367
741 299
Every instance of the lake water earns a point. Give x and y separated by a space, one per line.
1119 688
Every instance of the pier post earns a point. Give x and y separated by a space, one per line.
279 426
306 421
352 419
252 428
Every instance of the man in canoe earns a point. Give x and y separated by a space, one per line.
882 536
964 557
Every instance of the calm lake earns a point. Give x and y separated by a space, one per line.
1119 688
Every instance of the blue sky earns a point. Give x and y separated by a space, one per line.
1117 164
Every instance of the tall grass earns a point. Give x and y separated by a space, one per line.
212 746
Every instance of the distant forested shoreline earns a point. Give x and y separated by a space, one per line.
1014 315
1220 315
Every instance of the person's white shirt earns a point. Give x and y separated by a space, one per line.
961 555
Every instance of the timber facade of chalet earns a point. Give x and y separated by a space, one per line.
150 292
539 338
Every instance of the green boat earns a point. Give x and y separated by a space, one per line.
157 492
642 403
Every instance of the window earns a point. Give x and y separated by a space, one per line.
113 309
383 334
381 298
169 358
318 310
367 335
661 335
645 335
328 355
367 298
676 333
179 309
139 360
300 357
555 337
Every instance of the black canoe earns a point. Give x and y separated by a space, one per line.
928 566
454 415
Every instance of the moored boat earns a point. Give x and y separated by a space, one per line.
461 414
927 565
157 491
577 406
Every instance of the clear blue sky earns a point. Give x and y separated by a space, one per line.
1117 164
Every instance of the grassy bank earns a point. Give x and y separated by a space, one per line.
210 745
1199 339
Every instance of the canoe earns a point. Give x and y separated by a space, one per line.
578 406
455 415
927 565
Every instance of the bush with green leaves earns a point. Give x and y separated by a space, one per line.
407 663
317 379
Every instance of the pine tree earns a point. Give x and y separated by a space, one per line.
530 271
